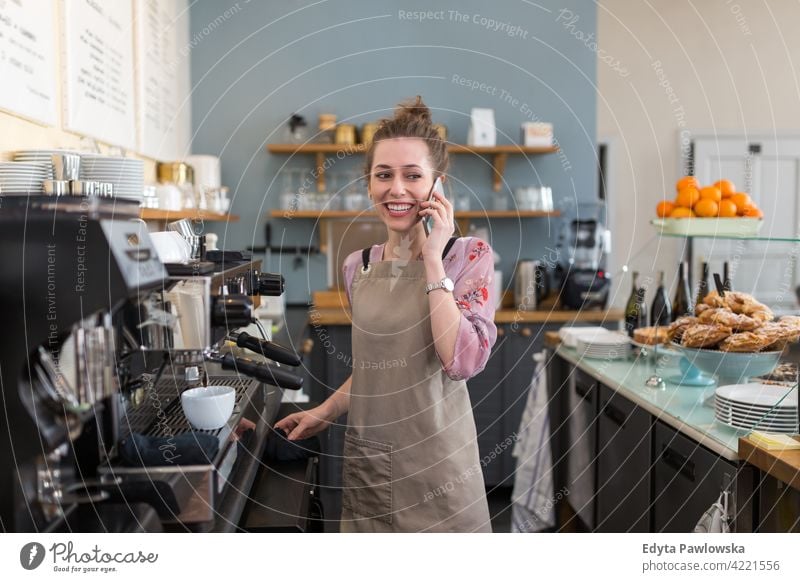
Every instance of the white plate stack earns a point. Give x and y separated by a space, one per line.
757 406
606 345
568 334
24 177
126 174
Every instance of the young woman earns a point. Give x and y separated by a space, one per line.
423 322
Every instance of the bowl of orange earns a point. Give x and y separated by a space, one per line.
715 210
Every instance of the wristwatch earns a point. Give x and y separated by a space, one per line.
446 284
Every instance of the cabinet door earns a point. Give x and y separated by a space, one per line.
486 397
523 342
687 479
623 465
582 446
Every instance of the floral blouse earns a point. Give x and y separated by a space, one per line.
470 265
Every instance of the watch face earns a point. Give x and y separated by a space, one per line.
448 284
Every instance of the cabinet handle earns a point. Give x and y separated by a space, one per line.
584 392
615 414
526 332
501 332
678 462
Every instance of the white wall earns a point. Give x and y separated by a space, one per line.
701 66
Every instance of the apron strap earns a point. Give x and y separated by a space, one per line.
366 252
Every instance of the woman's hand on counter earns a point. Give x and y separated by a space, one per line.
306 423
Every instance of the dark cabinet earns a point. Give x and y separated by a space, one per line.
623 465
582 453
687 479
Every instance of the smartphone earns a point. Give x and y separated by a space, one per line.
427 222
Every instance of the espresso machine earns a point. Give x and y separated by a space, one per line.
98 344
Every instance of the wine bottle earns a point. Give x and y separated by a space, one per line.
635 309
661 313
682 304
702 286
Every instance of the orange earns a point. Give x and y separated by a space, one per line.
741 200
686 182
727 188
711 193
681 212
753 212
664 208
727 209
687 197
706 208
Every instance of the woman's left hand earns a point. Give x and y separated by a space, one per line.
443 224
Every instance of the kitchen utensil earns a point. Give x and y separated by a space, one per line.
66 166
56 187
531 284
208 407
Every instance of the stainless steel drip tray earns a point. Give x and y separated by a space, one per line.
180 493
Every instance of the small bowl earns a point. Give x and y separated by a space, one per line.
208 407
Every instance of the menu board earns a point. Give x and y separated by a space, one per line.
28 60
98 82
162 77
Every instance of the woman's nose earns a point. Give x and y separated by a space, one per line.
398 186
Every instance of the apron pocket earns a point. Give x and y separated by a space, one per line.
367 478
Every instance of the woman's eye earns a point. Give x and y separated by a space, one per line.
414 176
383 176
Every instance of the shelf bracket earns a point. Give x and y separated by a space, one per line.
498 167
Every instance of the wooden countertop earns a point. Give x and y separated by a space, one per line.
332 308
783 465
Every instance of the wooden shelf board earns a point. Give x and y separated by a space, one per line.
332 148
462 214
158 214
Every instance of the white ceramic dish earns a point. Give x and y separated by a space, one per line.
208 407
709 227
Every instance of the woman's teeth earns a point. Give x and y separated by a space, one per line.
399 209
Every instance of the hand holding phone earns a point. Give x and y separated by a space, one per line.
427 221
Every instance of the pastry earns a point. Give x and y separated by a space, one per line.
747 341
728 318
677 327
650 335
703 335
778 335
700 308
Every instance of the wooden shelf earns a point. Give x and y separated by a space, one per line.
166 215
499 155
319 214
783 465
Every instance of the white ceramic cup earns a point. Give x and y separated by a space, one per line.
208 407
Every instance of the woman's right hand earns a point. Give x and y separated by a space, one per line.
304 424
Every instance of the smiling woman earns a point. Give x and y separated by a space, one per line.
411 458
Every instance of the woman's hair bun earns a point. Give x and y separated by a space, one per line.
413 110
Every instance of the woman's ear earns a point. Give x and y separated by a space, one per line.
444 178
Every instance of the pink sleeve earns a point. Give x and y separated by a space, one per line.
349 271
475 297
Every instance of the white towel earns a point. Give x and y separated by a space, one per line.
716 518
533 503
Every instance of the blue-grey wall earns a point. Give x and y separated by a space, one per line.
255 63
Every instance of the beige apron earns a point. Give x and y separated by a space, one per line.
411 459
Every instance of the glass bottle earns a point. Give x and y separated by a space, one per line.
661 313
682 304
636 308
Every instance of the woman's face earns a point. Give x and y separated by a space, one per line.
401 178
